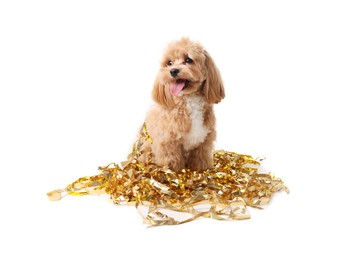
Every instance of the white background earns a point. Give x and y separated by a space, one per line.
76 80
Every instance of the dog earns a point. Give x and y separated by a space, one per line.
181 123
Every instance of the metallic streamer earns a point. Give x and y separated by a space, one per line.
171 198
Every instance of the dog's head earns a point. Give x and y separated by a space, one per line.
187 68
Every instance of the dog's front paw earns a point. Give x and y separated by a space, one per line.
177 165
200 159
201 164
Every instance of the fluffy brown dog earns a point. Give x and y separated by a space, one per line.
182 122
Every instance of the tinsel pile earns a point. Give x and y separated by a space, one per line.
166 197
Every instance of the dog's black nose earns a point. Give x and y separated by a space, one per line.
174 72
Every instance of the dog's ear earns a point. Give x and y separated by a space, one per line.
213 88
161 94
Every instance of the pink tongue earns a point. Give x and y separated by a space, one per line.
177 87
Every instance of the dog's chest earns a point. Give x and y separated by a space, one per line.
198 132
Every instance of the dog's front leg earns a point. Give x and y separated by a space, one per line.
201 157
169 154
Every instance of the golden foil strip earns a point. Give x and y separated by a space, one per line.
165 197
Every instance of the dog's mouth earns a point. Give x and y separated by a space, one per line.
178 86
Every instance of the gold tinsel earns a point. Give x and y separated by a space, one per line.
165 197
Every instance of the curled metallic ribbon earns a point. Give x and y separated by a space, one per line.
165 197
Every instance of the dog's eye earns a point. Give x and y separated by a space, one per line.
169 63
188 60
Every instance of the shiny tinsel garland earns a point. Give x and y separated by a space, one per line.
165 197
